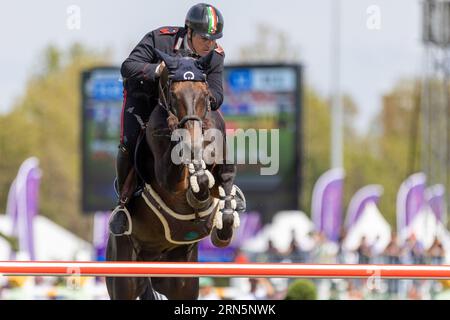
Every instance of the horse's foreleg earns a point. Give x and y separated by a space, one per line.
122 288
222 232
179 288
224 172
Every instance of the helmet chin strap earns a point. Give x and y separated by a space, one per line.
190 42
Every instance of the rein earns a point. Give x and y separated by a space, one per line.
166 105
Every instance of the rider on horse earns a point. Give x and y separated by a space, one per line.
140 72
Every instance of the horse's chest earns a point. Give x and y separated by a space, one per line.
161 224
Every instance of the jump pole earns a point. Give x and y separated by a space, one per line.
247 270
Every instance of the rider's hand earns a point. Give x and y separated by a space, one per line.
213 103
160 68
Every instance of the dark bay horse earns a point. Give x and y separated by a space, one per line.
182 202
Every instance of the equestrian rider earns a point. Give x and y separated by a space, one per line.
140 73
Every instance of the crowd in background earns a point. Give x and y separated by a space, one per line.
319 251
52 288
322 251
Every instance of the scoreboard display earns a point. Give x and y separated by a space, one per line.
261 103
266 98
102 92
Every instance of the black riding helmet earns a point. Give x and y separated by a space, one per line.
205 20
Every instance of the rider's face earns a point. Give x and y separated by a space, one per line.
202 46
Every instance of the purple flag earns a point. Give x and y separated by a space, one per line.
360 199
11 212
327 203
435 197
410 199
22 205
101 234
249 227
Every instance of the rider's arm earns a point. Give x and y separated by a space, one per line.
214 78
140 64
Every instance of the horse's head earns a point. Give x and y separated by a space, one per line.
185 95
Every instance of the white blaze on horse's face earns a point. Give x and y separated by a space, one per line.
191 100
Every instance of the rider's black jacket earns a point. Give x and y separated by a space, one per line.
138 70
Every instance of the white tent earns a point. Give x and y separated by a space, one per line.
280 232
372 225
426 227
52 242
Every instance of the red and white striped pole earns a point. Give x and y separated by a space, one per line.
178 269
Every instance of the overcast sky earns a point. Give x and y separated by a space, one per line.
371 60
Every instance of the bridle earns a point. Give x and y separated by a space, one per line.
165 102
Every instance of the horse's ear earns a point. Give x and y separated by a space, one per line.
205 61
171 62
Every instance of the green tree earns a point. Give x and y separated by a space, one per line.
391 146
301 289
384 155
45 122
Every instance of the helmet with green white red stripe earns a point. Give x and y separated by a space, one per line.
205 20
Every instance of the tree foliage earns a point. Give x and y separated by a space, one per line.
45 122
382 155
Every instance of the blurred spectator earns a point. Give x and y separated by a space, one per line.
392 255
295 251
414 251
273 255
323 250
240 257
436 252
260 289
376 249
364 252
241 284
436 255
414 293
393 251
207 290
353 293
341 254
